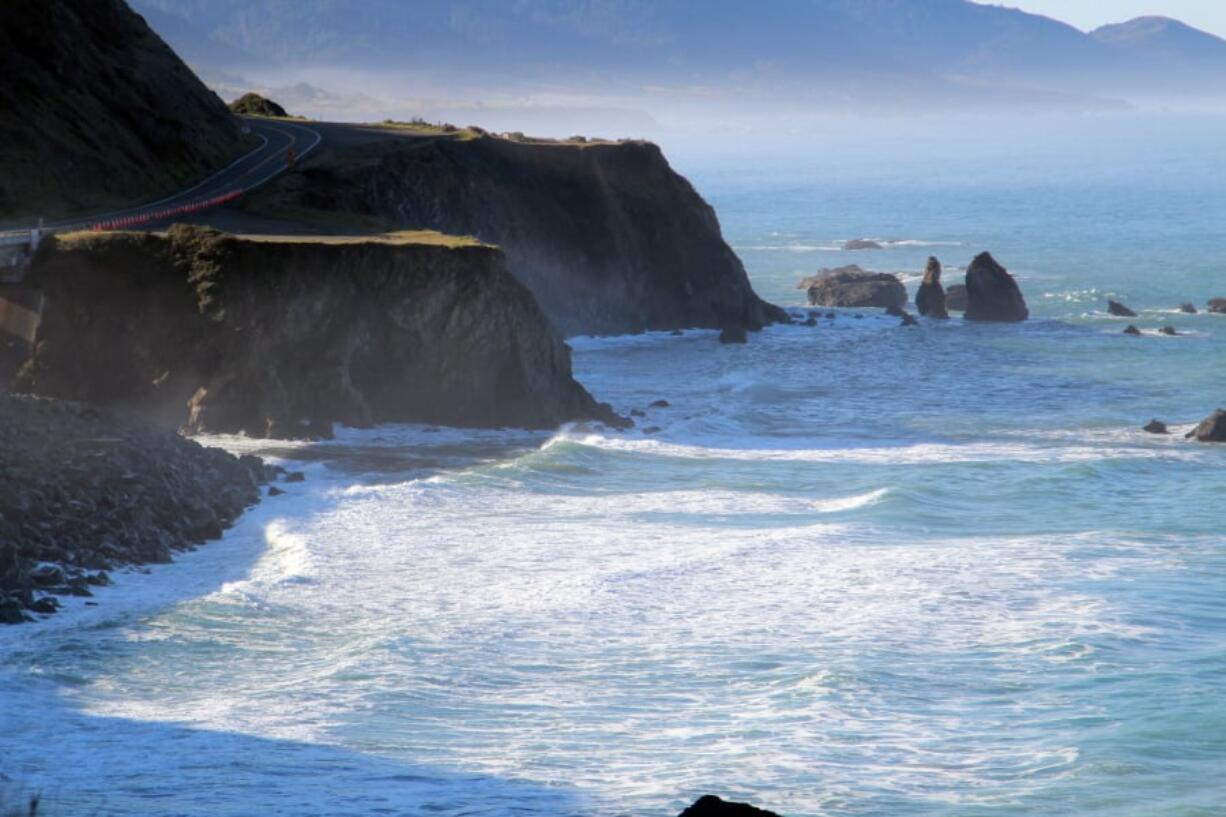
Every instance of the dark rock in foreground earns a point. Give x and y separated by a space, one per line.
733 334
861 244
282 338
955 298
1188 308
1119 310
992 294
1211 430
712 806
1155 426
1217 306
852 286
84 490
930 298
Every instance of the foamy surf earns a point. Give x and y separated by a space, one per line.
849 503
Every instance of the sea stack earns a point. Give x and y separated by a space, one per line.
930 299
1119 310
992 294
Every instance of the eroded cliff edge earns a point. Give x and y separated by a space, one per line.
606 235
281 337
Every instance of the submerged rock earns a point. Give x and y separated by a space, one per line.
712 806
861 244
1210 430
1218 306
1168 330
1188 308
930 298
1156 426
992 294
955 298
1119 310
852 286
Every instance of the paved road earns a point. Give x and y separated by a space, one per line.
256 168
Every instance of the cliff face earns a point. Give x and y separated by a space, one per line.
280 338
96 110
607 236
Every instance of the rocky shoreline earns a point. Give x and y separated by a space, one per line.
84 490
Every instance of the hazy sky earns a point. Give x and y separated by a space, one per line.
1209 15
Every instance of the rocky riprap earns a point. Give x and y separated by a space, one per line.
84 490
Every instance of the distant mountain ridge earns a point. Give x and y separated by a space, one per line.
942 53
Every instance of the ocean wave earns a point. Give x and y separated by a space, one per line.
849 503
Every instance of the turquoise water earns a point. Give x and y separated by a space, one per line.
860 570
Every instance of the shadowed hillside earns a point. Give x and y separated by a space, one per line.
96 110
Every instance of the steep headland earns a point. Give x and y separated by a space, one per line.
96 110
280 337
606 235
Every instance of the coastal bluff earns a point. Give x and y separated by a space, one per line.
282 337
606 235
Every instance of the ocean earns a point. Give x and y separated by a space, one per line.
858 569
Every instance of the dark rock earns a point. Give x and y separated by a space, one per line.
638 413
1217 306
908 320
861 244
831 315
733 334
651 430
11 611
99 579
1155 427
1119 310
46 605
852 286
896 311
1210 430
676 333
1168 330
273 490
712 806
955 298
46 575
660 404
810 322
930 297
992 294
295 476
1188 308
1131 330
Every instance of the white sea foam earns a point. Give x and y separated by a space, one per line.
849 503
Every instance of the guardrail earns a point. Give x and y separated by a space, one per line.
151 216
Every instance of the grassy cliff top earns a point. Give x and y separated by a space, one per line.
400 238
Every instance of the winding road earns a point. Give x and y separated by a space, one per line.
246 173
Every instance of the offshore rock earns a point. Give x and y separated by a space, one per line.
733 334
1188 308
281 338
1217 306
992 294
1131 330
1119 310
1210 430
930 297
1156 426
955 298
851 286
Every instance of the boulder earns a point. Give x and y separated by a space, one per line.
1119 310
1131 330
861 244
930 298
712 806
1218 306
852 286
1155 427
1211 430
1168 330
955 298
733 334
661 403
992 294
1187 308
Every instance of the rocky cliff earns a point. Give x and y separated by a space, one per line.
282 337
96 110
606 235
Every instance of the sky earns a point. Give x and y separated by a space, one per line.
1209 15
